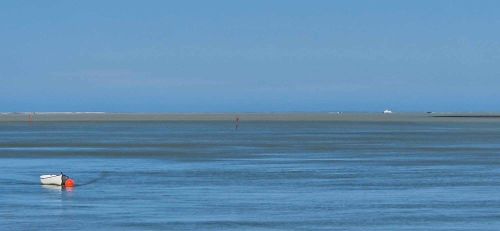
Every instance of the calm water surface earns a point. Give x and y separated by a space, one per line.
265 176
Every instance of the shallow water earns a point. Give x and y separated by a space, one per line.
265 176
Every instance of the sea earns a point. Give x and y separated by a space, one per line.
265 175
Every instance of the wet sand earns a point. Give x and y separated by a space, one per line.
354 117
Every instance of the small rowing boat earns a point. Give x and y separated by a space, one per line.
61 180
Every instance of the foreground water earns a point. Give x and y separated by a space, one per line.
265 176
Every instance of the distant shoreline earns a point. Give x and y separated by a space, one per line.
325 116
467 116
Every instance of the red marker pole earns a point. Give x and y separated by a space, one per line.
237 123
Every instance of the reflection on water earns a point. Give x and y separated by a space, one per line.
57 188
52 187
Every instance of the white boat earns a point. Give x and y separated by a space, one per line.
387 111
53 179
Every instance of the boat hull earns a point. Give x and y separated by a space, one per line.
51 179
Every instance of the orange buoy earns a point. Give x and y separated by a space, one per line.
69 183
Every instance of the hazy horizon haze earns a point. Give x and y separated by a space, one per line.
249 56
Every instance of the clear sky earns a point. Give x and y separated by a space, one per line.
249 56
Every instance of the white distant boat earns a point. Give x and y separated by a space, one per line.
51 179
61 180
387 111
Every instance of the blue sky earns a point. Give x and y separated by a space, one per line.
249 56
